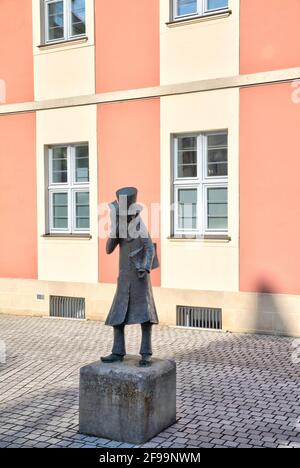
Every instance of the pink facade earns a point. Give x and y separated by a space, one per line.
269 35
269 190
269 147
18 234
129 155
127 44
16 50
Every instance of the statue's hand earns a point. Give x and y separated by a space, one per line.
141 273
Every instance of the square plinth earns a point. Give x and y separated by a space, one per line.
125 402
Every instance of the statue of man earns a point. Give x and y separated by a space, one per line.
133 302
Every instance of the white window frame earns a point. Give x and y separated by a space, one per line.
176 208
205 211
52 229
202 10
71 187
202 182
73 217
67 9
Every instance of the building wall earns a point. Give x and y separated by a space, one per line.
67 259
242 312
16 63
270 200
129 155
18 218
127 44
67 69
200 50
253 275
269 35
198 264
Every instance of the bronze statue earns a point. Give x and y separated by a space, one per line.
133 302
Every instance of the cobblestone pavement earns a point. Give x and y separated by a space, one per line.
233 390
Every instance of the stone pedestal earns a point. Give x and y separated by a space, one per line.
125 402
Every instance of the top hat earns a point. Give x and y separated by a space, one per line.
130 193
127 197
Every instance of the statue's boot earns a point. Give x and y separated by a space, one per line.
146 360
112 358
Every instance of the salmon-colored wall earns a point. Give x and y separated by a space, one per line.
270 36
127 44
18 218
16 53
269 190
128 155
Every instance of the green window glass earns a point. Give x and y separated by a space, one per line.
55 20
187 208
82 210
217 208
60 211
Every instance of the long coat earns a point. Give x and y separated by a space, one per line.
133 302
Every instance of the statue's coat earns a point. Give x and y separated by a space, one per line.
133 302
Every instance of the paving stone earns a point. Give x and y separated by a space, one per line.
3 444
180 440
218 441
231 444
232 390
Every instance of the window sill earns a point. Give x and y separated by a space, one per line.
207 237
67 42
67 236
199 19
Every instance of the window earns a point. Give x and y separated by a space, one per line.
65 19
68 190
187 8
201 183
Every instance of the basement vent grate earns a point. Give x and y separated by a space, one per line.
67 307
199 317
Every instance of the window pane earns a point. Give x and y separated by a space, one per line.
217 163
217 140
82 210
217 4
187 157
82 163
187 143
78 17
60 166
187 170
56 8
186 7
56 20
220 224
217 155
187 209
217 208
56 33
60 210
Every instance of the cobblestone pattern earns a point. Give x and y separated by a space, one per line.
233 390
